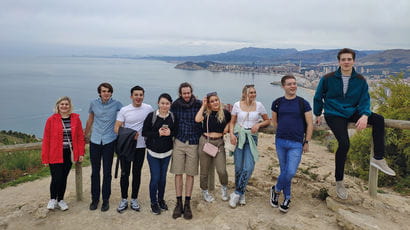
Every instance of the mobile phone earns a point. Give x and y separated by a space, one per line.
164 126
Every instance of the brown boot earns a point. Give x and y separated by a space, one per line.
178 209
187 210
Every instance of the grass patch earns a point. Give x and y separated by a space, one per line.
306 171
23 166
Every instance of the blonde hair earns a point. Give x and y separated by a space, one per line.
65 98
220 115
245 93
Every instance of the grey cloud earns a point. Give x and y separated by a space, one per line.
197 27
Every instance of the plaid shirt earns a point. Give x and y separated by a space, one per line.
188 129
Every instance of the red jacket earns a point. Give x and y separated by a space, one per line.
52 147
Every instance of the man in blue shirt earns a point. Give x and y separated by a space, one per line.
344 96
102 116
292 117
185 154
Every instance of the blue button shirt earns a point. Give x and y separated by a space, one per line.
105 115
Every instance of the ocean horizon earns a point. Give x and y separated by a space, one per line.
31 85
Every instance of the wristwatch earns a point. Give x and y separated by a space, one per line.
306 142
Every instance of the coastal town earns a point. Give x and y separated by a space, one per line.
308 75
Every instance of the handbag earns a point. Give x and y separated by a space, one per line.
69 143
209 148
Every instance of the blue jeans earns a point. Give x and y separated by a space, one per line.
244 165
158 168
289 155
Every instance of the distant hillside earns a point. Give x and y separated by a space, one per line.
13 137
268 56
388 57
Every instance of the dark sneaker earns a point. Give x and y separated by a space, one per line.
284 207
123 205
155 209
187 211
105 206
94 205
178 210
274 197
163 205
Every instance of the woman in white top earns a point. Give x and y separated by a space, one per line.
244 128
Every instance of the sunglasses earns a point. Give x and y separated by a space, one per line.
249 86
211 94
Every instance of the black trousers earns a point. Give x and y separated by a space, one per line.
338 125
106 154
139 155
59 173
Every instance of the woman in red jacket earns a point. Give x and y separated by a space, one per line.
63 143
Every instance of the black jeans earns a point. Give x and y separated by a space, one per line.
338 125
106 153
136 173
59 173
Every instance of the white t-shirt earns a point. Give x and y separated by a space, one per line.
242 116
133 118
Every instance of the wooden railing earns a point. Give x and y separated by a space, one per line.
373 172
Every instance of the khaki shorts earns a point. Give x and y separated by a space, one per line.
184 159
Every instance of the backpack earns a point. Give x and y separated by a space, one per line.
154 117
301 109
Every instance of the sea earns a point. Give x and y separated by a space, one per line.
30 86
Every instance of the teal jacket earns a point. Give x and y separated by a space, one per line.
329 96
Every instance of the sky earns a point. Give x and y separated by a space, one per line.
195 27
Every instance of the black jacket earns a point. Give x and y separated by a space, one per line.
126 143
152 139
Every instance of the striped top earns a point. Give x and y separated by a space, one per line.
345 83
67 133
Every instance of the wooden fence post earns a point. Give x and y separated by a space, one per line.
373 174
79 181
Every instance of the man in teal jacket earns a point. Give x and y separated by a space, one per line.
344 96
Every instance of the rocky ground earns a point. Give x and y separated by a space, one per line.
24 206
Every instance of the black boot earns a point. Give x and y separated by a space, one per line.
178 210
187 210
105 206
94 205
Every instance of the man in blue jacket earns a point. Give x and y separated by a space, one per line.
344 96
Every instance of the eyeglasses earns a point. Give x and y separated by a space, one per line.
249 86
211 94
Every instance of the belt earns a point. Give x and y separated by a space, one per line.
212 138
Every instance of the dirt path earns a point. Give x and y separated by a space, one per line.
24 206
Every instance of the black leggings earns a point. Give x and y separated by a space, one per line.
136 173
59 173
338 125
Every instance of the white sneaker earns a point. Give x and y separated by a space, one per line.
224 193
234 200
341 191
62 204
207 196
52 204
123 205
242 200
135 205
382 166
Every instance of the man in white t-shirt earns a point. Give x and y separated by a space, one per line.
132 116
